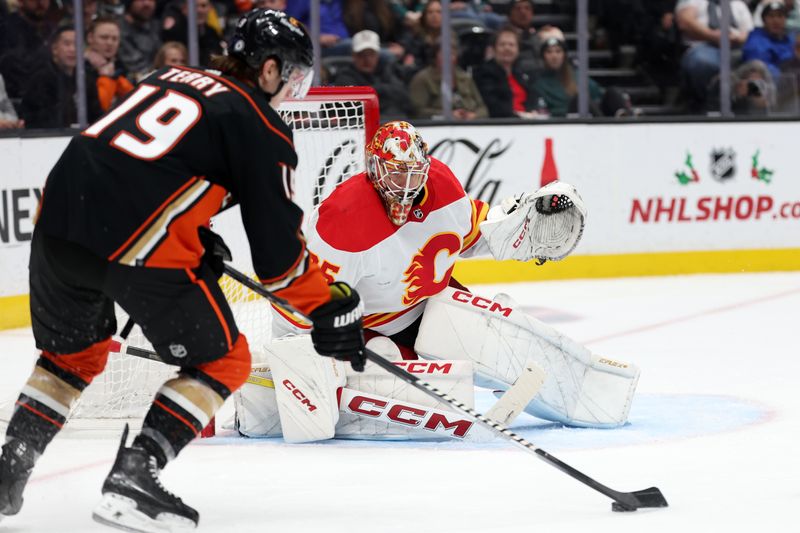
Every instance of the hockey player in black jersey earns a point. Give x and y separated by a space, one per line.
124 218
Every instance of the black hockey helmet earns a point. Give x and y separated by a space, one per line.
262 34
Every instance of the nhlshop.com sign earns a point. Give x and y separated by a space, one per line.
710 209
647 187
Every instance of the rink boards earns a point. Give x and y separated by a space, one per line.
662 198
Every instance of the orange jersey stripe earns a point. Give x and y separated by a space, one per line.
176 415
308 291
182 246
150 219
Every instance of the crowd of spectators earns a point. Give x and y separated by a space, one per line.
505 65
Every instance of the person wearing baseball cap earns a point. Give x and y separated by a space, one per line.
367 69
770 43
792 14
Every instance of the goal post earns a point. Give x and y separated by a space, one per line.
331 127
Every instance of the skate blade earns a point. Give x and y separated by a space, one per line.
121 512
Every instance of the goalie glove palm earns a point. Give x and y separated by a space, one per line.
337 326
544 225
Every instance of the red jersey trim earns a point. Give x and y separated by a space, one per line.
379 319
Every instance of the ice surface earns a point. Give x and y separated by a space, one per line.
715 425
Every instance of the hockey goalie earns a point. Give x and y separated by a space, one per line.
394 233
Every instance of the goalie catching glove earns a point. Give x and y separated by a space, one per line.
544 225
337 327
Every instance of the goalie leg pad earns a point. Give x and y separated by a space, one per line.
378 406
304 392
256 405
580 388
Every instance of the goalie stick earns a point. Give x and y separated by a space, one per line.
623 501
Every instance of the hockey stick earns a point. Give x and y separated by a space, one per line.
623 501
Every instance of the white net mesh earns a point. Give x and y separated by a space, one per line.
329 135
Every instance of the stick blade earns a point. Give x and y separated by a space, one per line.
646 498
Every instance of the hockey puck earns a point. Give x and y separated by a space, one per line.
619 508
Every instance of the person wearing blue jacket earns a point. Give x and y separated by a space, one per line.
334 37
771 43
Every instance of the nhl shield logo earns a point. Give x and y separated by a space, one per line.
418 214
723 164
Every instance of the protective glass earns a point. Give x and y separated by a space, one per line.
299 79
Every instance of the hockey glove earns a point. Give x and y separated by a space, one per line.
337 329
217 252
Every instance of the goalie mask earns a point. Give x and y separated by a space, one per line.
262 34
397 166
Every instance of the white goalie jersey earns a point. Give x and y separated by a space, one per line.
403 273
395 269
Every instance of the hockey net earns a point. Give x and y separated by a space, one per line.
330 128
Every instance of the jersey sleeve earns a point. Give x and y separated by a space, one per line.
261 164
474 244
332 263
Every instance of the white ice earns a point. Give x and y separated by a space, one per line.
715 426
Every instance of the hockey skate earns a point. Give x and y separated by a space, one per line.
16 465
134 500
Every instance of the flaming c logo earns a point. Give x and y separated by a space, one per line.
420 276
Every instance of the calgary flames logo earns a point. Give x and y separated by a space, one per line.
420 276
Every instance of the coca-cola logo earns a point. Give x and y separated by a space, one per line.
480 182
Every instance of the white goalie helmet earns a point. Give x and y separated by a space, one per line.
397 165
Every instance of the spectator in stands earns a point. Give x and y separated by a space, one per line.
171 54
368 69
140 39
8 115
174 27
28 28
698 21
479 11
660 46
556 81
50 99
102 40
792 14
505 87
788 84
22 44
423 35
520 17
753 89
375 15
426 91
334 37
792 65
770 43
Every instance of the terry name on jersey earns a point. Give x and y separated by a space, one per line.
209 86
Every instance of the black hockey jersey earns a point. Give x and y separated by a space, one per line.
135 185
